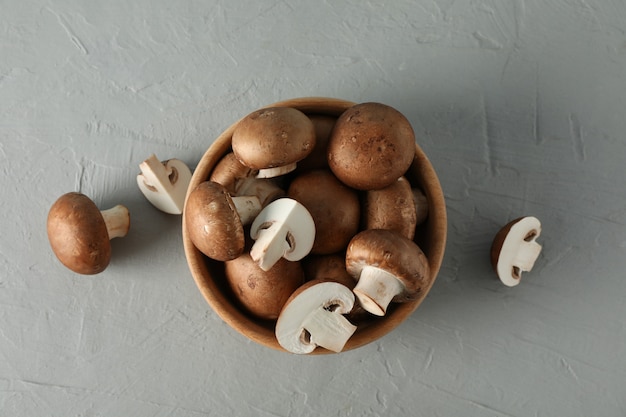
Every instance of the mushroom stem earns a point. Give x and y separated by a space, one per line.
248 208
117 221
376 288
276 171
265 189
284 228
527 255
269 246
328 330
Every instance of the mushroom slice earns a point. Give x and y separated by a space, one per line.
79 232
215 220
164 183
284 228
389 267
313 316
515 249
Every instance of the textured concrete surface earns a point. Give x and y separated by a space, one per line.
519 104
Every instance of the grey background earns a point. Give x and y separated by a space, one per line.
519 104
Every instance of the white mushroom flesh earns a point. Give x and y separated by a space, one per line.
248 207
519 250
376 288
284 228
276 171
164 183
117 221
315 318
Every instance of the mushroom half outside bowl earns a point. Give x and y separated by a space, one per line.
209 274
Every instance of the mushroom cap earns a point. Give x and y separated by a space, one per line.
392 208
228 170
263 293
317 159
78 234
334 207
213 223
371 146
510 239
273 137
391 252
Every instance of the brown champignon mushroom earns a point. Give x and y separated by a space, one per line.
283 229
263 293
272 140
240 180
330 267
391 208
421 205
228 171
514 249
317 159
80 233
388 266
215 220
334 207
371 146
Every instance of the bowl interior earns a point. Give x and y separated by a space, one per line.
209 274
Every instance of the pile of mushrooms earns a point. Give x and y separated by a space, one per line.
314 220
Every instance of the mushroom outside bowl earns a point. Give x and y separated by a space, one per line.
209 274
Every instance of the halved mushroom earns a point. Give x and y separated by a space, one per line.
273 140
313 316
388 266
164 183
391 208
215 220
514 249
283 229
80 233
334 207
263 293
371 146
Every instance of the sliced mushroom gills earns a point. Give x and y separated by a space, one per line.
341 189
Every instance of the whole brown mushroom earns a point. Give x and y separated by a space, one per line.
392 208
241 181
273 140
388 266
80 234
371 146
317 159
215 220
263 293
334 207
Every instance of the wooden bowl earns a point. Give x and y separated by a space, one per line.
209 274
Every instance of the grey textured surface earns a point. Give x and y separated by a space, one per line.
519 104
